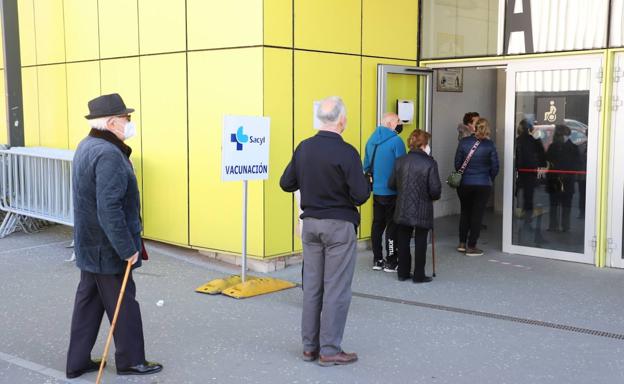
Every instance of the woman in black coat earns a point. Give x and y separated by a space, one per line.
417 182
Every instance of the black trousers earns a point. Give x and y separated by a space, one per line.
383 212
420 251
95 295
473 199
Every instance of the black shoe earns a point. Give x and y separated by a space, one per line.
403 278
146 368
391 267
94 366
424 279
378 265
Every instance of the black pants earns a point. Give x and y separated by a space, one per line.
473 199
95 294
420 251
383 212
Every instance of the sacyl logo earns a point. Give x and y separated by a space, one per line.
240 138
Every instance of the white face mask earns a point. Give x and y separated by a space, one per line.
428 150
129 130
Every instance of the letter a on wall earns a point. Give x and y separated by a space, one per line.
518 21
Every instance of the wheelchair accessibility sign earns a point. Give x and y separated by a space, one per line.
551 110
245 148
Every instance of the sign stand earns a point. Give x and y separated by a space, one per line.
244 157
244 260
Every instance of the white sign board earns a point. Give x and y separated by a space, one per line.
245 148
317 123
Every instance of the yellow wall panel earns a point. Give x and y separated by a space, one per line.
26 13
369 120
278 82
53 106
162 26
83 84
232 86
81 30
278 22
49 31
119 28
30 98
328 25
165 182
318 75
390 28
232 23
122 76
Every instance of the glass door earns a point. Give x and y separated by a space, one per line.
615 227
551 131
406 91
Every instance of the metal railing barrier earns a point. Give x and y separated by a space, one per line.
35 188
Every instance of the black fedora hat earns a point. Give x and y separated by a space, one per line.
107 105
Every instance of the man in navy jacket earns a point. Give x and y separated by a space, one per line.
107 235
328 172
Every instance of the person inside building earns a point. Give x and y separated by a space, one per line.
416 179
530 160
564 159
477 156
382 148
467 126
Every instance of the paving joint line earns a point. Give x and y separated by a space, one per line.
40 369
33 247
489 315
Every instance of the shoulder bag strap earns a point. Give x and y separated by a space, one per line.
472 151
374 152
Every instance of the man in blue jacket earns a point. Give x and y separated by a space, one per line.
107 235
382 149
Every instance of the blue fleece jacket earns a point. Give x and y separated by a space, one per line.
390 146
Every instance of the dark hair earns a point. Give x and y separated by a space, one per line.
469 116
525 126
418 138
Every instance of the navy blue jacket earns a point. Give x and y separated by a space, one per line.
483 166
328 172
107 223
389 147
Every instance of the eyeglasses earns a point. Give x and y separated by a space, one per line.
126 117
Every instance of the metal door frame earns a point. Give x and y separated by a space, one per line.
383 70
594 63
615 217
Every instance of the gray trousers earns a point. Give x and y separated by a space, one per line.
329 255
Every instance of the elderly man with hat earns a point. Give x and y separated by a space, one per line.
107 235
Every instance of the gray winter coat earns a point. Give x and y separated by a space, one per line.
107 223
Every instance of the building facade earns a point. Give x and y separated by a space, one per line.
184 64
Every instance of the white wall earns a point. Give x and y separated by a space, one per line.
480 95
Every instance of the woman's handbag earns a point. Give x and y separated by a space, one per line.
454 179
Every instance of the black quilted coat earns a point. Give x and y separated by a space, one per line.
417 182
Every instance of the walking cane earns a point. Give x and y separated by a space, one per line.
112 328
433 251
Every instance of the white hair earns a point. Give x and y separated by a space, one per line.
331 109
99 123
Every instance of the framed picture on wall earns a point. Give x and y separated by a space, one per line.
450 80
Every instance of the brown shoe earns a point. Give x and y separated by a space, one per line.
310 356
342 358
